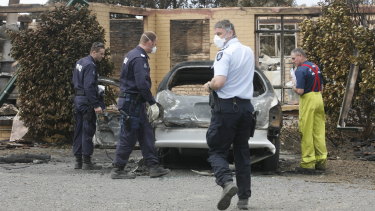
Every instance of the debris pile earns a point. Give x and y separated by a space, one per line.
8 110
25 158
364 149
23 144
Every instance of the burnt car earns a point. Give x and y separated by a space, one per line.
186 115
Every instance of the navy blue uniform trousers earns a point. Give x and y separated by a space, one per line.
140 129
85 126
231 124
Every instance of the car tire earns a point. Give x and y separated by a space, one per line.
271 164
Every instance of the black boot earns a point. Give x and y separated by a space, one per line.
118 172
229 190
78 163
158 171
243 204
88 165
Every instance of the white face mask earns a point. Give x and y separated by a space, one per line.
219 42
153 49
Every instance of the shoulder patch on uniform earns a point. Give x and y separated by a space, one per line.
126 60
79 67
219 56
145 66
143 55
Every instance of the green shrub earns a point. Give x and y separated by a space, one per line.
47 56
331 42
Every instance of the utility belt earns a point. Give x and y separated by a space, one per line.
215 101
234 100
133 96
131 109
233 105
79 92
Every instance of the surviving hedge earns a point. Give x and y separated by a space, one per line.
46 57
335 41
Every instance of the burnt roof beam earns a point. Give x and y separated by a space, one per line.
24 8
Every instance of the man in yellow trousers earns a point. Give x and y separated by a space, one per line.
309 85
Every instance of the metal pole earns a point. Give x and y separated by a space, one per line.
282 59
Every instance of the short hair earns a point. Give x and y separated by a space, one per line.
299 51
147 36
96 46
225 24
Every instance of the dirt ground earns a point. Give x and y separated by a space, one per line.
57 186
344 163
340 170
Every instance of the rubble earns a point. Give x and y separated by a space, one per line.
8 110
22 144
364 149
19 130
25 158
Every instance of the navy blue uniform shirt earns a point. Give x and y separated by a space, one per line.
85 78
135 75
305 78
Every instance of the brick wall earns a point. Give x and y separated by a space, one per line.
243 21
102 13
5 129
195 89
199 27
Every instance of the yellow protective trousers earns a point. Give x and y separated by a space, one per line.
312 127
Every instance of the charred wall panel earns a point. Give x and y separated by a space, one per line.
190 40
125 34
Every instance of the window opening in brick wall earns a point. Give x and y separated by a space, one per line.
190 40
125 31
276 37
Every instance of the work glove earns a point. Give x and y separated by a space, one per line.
293 76
290 84
153 112
101 90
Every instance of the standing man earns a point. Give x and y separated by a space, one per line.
232 120
87 102
311 113
135 85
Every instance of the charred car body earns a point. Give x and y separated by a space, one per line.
183 124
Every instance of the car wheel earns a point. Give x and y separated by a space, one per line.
271 164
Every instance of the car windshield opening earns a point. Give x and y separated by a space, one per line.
190 80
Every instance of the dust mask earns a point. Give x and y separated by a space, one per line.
153 50
219 42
